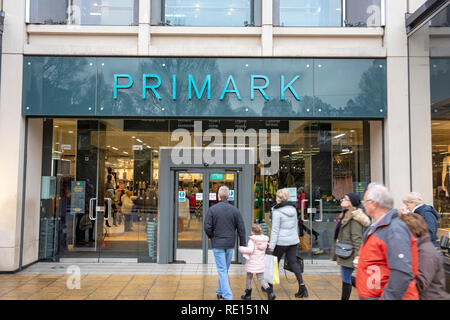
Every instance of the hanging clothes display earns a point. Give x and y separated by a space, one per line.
342 186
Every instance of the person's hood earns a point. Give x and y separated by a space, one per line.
286 208
260 241
361 217
432 210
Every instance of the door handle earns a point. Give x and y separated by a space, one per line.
91 209
321 210
303 210
109 201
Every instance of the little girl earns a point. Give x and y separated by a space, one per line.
254 254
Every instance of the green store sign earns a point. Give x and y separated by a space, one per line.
204 87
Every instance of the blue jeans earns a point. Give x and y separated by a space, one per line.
223 261
346 274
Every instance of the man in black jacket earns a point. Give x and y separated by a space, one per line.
221 224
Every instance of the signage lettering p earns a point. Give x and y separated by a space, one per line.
120 86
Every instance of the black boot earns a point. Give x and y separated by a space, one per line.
248 295
270 294
302 291
270 286
346 291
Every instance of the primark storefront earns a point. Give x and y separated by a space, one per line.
134 149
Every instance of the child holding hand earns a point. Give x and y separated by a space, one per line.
254 254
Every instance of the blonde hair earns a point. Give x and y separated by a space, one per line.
413 197
256 228
283 194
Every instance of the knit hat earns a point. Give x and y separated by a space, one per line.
354 199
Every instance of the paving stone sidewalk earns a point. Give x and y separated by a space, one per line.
47 281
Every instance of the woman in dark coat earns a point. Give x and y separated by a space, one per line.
431 278
414 202
349 230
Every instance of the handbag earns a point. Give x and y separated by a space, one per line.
271 269
343 250
299 261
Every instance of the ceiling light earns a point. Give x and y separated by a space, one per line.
339 136
139 140
115 148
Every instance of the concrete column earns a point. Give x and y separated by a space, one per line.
33 192
420 114
376 151
144 28
397 150
12 132
267 28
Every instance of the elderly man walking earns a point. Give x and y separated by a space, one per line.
221 223
388 257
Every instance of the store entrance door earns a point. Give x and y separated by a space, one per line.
186 192
196 190
102 218
89 208
331 158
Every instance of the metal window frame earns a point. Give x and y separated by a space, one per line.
424 14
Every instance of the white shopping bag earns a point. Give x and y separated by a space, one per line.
271 270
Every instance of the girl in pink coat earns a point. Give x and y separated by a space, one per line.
254 254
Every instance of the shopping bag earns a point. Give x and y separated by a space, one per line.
305 242
271 270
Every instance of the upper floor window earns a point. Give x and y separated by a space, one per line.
84 12
224 13
328 13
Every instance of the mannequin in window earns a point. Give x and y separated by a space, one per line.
446 174
112 176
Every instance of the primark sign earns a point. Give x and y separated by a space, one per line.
152 82
189 88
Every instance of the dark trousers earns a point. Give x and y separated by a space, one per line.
291 256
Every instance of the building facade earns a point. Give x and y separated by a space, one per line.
120 119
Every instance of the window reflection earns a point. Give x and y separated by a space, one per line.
85 12
230 13
309 13
331 13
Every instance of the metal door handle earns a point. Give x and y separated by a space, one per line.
109 201
303 210
91 209
321 210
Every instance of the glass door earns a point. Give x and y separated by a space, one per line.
189 216
218 178
106 177
197 191
334 166
79 171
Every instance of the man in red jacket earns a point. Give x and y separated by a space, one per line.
388 258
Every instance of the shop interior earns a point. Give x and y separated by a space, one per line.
321 160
